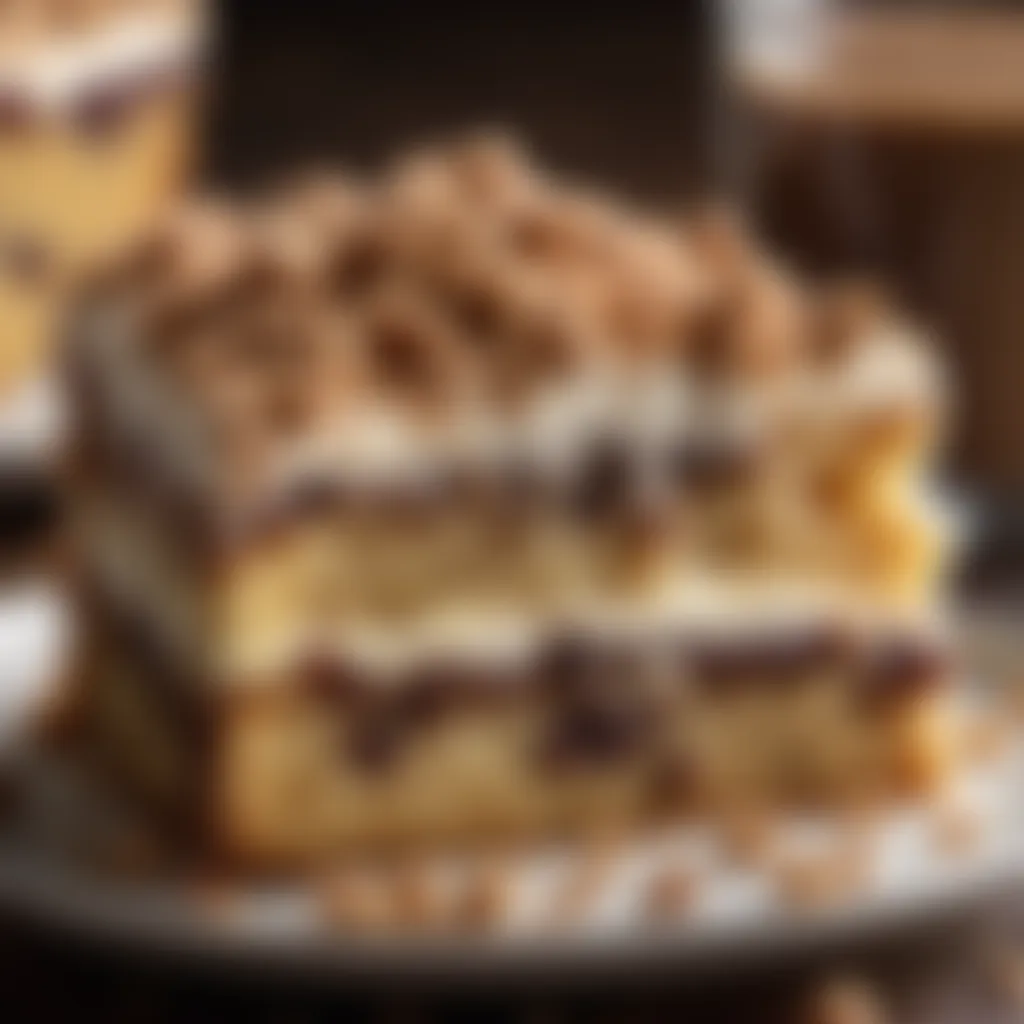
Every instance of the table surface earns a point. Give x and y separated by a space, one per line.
939 979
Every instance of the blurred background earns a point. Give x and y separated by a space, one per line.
616 92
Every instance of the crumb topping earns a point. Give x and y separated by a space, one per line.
460 278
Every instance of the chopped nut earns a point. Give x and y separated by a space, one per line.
586 878
844 1001
485 896
421 897
492 167
719 235
285 251
748 836
410 350
327 203
359 900
671 891
809 880
957 828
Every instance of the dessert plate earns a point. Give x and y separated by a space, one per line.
32 423
731 913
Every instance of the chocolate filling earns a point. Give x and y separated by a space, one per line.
719 664
606 478
706 464
613 484
602 698
901 668
598 733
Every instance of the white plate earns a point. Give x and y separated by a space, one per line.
32 423
738 914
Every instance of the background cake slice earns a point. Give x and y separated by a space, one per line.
97 103
464 502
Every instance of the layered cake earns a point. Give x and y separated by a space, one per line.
95 109
462 502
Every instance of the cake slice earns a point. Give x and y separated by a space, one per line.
464 502
96 110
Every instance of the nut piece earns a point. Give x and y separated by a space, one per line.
285 252
956 828
421 898
747 836
672 890
809 880
492 167
359 900
485 896
720 236
586 878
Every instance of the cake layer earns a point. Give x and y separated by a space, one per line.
96 111
594 732
62 56
463 502
444 583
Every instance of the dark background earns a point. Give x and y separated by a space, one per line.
615 92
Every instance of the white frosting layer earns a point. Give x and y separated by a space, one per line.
33 424
651 411
53 75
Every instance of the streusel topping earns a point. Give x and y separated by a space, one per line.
461 278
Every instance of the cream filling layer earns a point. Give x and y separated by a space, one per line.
257 649
54 74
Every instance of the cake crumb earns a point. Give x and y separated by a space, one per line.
486 895
747 837
671 891
956 828
359 900
421 899
585 879
811 880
